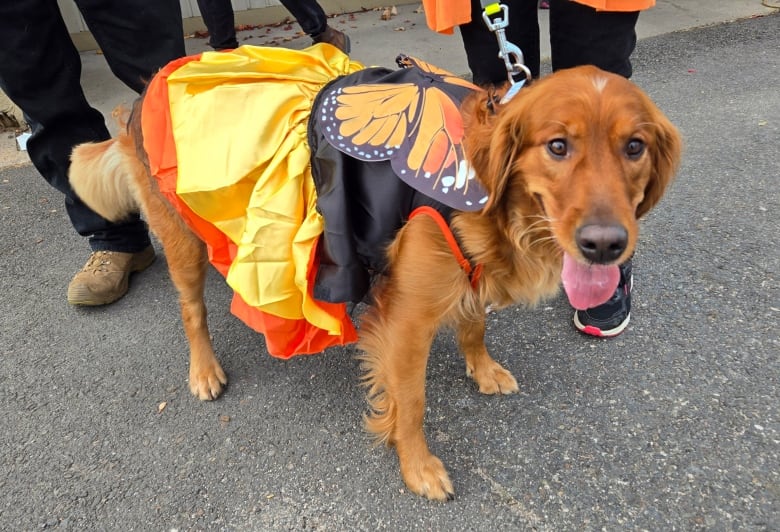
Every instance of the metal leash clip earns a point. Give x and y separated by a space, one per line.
510 53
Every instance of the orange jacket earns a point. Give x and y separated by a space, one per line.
618 5
443 15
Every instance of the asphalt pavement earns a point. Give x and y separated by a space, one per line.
674 425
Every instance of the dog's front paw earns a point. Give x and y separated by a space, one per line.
207 381
428 477
492 378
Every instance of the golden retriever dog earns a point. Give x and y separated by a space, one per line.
569 165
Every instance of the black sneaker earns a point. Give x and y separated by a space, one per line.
610 318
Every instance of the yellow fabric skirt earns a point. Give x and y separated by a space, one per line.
239 121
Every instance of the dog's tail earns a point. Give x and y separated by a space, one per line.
102 175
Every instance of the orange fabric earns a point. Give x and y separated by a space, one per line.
443 15
618 5
161 150
284 338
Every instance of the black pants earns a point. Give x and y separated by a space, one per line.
309 14
220 20
579 35
40 71
221 23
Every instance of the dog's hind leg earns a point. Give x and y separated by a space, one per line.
489 375
188 263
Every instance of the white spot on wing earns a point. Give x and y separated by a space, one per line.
463 172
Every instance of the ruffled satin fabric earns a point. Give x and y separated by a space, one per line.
226 137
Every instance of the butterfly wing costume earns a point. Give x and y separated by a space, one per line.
297 168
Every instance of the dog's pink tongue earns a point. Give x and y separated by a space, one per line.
588 286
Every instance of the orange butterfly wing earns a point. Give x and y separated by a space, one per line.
417 126
376 116
439 134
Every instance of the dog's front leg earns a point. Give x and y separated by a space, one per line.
489 375
396 347
424 286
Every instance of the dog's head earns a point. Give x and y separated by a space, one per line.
586 150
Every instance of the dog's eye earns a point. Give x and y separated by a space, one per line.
635 148
558 148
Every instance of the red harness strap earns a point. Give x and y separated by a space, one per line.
464 263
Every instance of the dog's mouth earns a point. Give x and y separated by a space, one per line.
588 285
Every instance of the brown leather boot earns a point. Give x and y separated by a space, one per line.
104 278
332 36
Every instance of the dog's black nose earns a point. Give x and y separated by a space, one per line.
602 243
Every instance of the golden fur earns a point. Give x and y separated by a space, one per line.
537 202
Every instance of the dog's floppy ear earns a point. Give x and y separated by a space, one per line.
495 137
665 153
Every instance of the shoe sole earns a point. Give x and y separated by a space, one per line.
81 296
595 331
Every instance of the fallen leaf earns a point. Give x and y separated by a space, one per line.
161 406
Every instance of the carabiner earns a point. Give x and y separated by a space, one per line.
510 53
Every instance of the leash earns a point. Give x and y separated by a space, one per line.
496 17
474 272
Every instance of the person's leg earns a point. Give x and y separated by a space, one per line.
580 35
221 23
482 47
313 20
40 71
137 37
309 14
